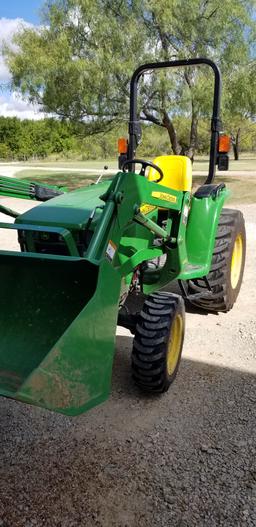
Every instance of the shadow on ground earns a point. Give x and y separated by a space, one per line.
186 458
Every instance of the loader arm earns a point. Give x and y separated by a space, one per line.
18 188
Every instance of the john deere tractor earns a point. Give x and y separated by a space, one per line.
85 254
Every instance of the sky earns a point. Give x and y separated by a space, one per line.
13 14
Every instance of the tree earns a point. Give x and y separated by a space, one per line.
28 138
240 106
220 30
78 64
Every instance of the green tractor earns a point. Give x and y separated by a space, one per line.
85 254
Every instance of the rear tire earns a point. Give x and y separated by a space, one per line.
158 342
227 267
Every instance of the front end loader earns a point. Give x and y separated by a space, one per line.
85 254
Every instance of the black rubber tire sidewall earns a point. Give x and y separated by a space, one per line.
150 352
179 311
231 224
239 228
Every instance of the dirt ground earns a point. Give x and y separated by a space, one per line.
187 458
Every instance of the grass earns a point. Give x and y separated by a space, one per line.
94 164
70 180
246 162
243 187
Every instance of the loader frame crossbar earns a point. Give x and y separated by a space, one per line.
64 233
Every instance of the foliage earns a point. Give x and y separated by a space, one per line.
78 63
23 140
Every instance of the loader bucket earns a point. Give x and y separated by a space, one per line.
57 330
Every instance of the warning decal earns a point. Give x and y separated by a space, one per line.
145 208
111 250
164 196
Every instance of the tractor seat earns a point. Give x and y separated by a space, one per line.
177 172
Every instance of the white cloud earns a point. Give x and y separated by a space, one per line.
12 105
8 28
4 72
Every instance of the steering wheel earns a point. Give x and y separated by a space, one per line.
144 165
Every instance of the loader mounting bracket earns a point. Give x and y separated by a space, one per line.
43 193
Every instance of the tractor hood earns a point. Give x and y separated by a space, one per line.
70 210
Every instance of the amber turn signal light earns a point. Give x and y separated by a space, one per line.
224 144
122 145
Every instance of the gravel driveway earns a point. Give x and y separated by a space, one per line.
187 458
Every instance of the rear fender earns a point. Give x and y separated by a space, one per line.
202 227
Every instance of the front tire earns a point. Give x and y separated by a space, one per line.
227 267
158 342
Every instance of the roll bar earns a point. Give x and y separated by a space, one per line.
216 126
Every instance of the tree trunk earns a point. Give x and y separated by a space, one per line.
190 150
235 143
193 134
167 123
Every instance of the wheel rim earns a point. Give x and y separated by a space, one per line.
174 345
236 261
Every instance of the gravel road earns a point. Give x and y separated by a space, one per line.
184 459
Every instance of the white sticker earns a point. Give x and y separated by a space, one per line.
186 210
185 214
111 250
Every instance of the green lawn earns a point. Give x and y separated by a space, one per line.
246 162
243 188
99 165
70 180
